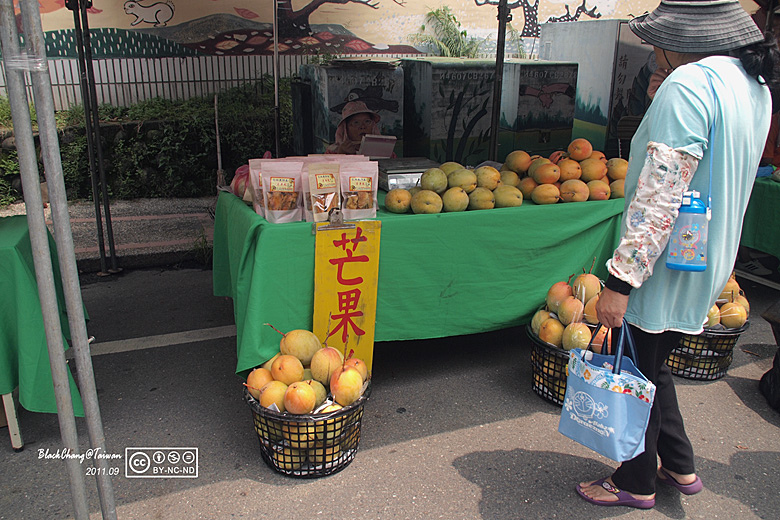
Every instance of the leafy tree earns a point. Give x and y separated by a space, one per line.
447 38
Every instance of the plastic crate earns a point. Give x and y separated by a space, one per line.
705 356
548 364
308 445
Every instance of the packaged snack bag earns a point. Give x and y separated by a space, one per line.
359 182
324 185
256 186
282 190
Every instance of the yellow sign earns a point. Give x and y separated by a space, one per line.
346 271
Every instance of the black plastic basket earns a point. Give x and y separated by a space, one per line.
548 364
308 445
705 356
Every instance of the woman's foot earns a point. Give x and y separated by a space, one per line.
604 493
688 483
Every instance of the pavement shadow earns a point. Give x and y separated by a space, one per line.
424 388
747 391
540 484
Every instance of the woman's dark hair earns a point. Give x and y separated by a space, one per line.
762 59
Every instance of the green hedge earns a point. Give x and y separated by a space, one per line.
161 148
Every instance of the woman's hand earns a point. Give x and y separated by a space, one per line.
611 308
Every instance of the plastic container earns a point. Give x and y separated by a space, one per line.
706 356
688 242
308 445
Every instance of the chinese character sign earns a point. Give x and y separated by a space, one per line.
346 271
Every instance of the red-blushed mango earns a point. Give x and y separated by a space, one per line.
592 170
574 190
557 156
570 169
299 398
570 310
547 174
557 292
539 161
287 369
537 320
586 286
599 190
527 185
580 149
257 379
589 312
551 331
545 194
518 161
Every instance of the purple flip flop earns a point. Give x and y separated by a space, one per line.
623 498
686 489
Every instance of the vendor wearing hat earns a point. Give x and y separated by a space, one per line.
356 121
712 110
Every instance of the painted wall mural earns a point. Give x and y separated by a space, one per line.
158 28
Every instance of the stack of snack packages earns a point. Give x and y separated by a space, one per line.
293 189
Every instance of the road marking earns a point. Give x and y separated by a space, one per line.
161 340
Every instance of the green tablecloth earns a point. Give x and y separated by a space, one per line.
24 356
439 275
759 230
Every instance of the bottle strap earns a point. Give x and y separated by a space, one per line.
711 141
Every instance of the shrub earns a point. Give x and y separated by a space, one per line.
162 148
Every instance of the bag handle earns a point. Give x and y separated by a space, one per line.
624 337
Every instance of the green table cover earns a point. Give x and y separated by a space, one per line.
24 355
759 230
439 275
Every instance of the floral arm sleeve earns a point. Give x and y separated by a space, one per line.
651 213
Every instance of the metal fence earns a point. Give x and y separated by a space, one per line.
126 81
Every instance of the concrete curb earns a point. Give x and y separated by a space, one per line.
147 232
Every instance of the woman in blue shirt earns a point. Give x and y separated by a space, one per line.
721 65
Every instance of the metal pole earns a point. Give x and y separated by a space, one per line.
15 66
504 16
277 111
220 171
85 4
47 126
73 5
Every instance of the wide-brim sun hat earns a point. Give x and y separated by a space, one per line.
357 107
697 26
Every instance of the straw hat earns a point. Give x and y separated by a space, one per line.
697 26
357 107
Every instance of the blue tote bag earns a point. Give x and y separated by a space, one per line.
608 401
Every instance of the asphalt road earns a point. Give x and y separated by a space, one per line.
452 430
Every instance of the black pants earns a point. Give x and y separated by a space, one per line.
665 435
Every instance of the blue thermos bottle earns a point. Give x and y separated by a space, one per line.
688 243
